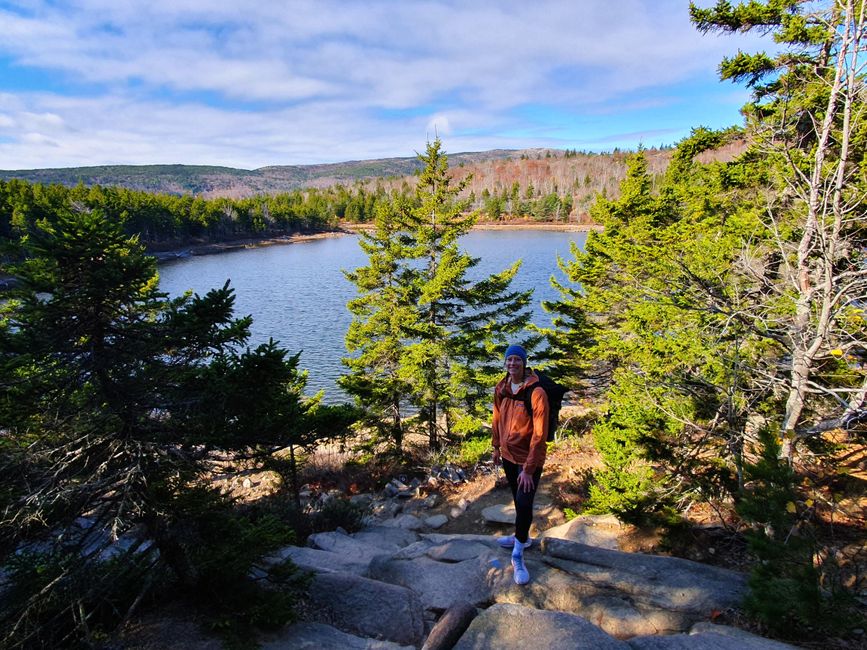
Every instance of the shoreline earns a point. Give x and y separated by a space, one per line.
344 229
493 225
239 244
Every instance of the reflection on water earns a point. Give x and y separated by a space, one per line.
297 294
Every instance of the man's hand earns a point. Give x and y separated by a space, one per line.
525 482
495 456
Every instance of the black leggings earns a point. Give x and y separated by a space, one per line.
523 500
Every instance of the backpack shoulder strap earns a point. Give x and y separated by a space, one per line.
528 398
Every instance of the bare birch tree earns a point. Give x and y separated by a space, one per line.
804 277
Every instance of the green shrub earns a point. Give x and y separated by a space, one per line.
61 600
469 451
787 592
622 486
57 597
337 513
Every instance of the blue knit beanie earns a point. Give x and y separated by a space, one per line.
518 351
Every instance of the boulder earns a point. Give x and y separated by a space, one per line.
407 522
457 551
439 584
504 513
707 636
317 636
499 514
459 509
383 509
667 582
624 594
601 531
420 503
552 589
436 521
367 608
386 538
342 544
749 640
441 538
319 561
514 626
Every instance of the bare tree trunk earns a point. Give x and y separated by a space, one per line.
818 248
396 424
293 478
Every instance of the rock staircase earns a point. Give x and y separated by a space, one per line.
393 585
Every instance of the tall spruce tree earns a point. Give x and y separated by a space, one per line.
454 352
383 318
423 329
620 324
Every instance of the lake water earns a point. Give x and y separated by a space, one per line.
297 294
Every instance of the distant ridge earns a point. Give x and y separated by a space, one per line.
213 181
506 177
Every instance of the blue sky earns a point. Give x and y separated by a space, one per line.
251 84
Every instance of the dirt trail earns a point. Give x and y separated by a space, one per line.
558 489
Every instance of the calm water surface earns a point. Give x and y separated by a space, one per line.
297 294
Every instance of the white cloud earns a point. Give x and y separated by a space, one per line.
274 82
439 125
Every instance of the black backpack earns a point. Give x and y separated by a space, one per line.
555 393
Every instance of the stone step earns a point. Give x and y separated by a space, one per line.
357 605
579 595
318 636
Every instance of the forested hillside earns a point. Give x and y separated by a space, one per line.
542 186
227 182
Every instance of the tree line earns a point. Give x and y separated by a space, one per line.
167 220
164 221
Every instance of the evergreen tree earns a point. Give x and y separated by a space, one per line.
116 403
461 325
422 330
383 319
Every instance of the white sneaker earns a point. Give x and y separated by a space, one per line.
522 576
509 541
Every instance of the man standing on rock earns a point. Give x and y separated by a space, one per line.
519 440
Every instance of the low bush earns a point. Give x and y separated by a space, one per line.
471 450
205 553
337 513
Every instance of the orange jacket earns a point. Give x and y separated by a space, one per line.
520 439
